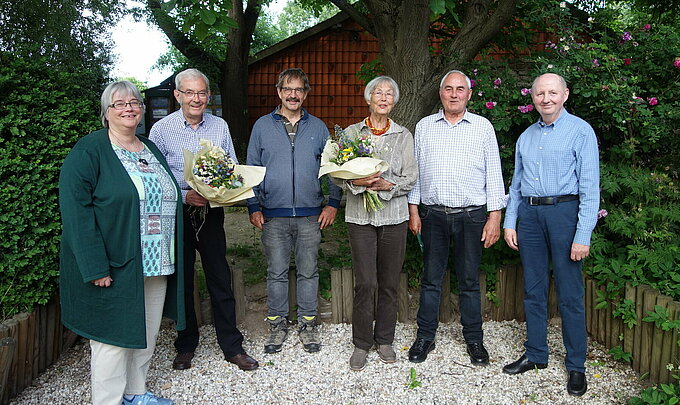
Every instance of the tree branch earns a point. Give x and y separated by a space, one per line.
180 41
355 15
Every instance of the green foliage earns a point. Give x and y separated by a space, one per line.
203 17
660 318
40 119
662 394
626 311
619 354
413 379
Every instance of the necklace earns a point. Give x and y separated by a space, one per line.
134 154
377 131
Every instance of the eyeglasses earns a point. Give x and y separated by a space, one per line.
379 94
288 90
191 94
120 105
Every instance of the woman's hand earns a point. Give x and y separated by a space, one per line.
103 282
366 181
381 184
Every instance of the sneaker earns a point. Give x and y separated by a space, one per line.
278 330
309 336
387 354
358 360
147 399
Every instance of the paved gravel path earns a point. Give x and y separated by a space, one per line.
296 377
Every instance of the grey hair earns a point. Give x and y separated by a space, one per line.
122 88
293 73
560 78
191 74
467 79
370 87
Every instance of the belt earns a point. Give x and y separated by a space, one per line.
449 210
550 200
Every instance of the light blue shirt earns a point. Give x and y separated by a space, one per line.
558 159
459 164
173 134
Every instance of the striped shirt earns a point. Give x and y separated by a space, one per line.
558 159
396 148
459 163
173 134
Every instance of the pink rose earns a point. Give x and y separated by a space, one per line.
497 82
490 104
676 62
525 91
653 100
626 62
647 27
472 83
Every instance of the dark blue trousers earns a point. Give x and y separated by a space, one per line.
438 231
545 234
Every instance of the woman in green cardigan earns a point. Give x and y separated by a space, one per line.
120 248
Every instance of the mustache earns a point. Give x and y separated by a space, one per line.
293 99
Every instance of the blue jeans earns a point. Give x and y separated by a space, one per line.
280 235
438 230
546 232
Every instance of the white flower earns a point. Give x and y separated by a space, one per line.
550 66
563 4
566 48
590 19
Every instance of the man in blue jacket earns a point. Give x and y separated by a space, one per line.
288 206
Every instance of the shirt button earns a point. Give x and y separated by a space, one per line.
537 163
536 179
540 147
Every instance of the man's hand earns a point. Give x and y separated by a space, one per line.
492 229
327 216
414 224
257 219
195 199
510 236
579 251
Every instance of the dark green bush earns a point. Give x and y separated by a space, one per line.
44 111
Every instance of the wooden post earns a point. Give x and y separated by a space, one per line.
670 352
347 294
498 312
552 299
239 289
588 305
629 333
40 340
445 310
292 292
22 350
510 281
648 302
52 324
602 322
197 300
336 296
518 297
12 380
608 337
657 362
7 351
637 336
402 298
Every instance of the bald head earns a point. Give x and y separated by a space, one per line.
549 92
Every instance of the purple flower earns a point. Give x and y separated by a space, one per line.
525 108
473 83
626 36
490 104
596 63
602 213
676 62
525 91
497 82
653 100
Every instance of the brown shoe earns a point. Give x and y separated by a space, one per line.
182 361
244 362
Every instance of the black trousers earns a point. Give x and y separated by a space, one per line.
211 243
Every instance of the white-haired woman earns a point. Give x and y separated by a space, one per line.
378 238
120 248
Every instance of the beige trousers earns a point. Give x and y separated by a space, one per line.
115 370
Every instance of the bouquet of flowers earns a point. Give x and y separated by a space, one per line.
353 157
215 176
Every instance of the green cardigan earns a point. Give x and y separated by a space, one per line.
100 214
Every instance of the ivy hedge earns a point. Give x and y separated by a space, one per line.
44 111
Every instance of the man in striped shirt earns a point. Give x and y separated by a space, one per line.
460 180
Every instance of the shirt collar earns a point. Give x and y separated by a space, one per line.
563 115
187 124
278 112
466 117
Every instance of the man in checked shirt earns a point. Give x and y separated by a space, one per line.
555 194
460 180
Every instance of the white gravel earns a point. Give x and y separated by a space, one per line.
296 377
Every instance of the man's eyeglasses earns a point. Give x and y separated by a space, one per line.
379 94
288 90
120 105
191 94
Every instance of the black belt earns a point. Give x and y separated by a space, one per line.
550 200
449 210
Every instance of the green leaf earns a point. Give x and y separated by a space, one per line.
438 7
201 30
208 16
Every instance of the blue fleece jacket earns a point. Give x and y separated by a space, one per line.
291 187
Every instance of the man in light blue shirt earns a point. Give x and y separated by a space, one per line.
460 180
555 196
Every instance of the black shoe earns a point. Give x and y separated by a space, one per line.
478 354
522 365
421 347
577 384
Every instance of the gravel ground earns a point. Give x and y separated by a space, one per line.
295 377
